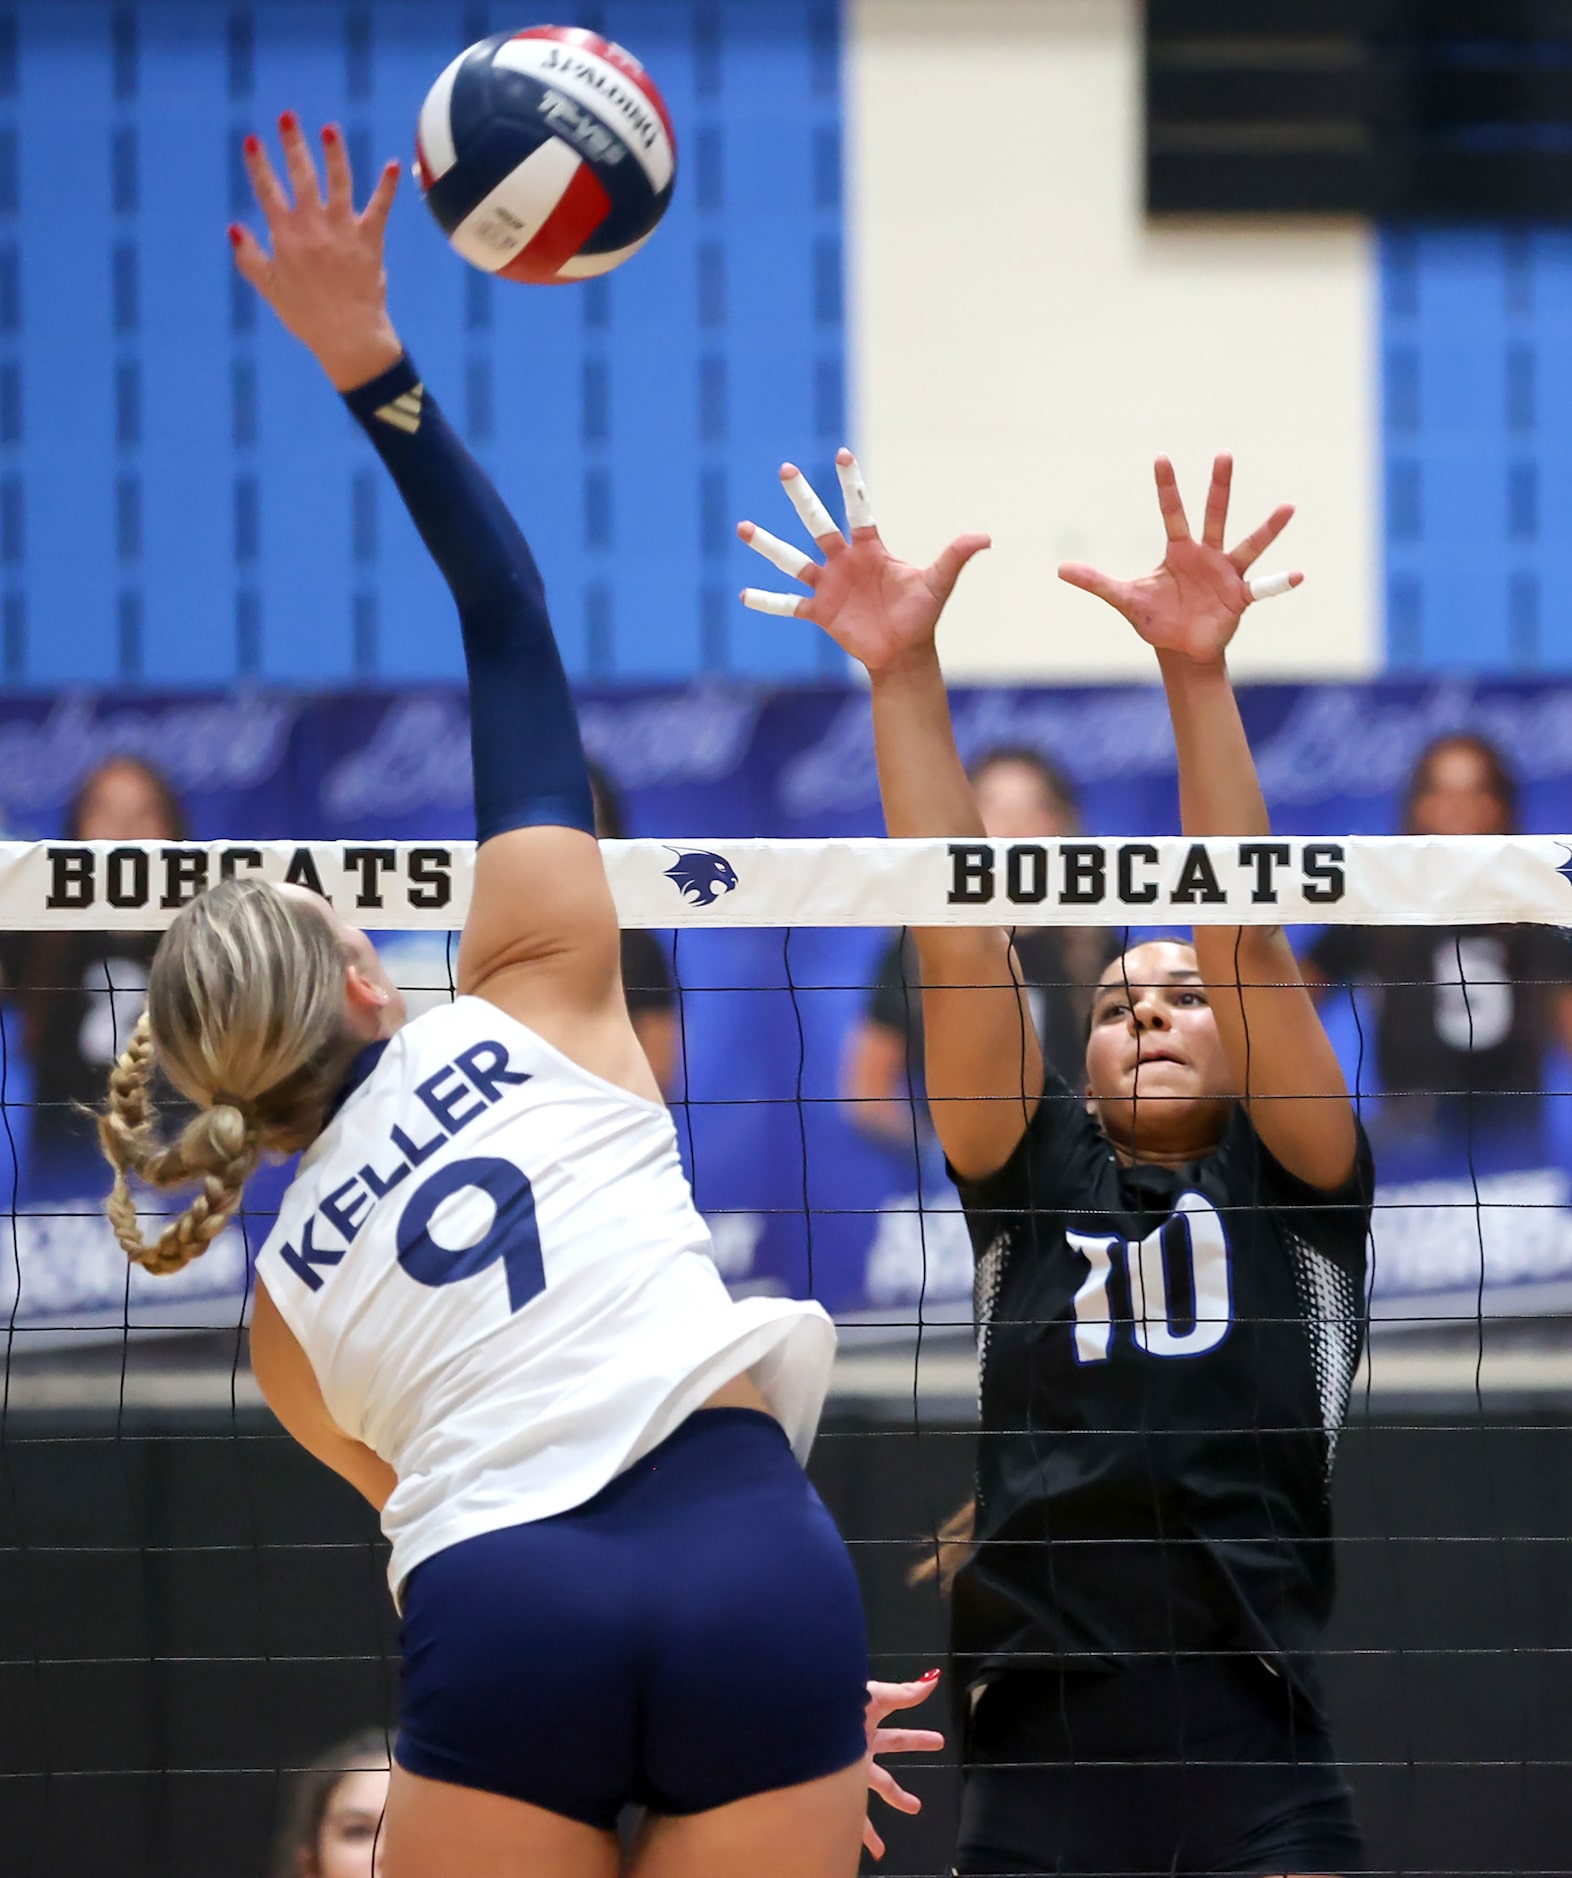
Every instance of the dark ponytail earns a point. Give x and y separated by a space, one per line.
951 1549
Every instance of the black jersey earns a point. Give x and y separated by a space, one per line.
1460 1010
1166 1361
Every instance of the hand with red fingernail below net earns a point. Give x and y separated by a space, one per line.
322 274
884 1698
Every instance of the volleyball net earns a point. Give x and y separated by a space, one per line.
179 1573
815 1186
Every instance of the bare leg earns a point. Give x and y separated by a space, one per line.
433 1830
811 1831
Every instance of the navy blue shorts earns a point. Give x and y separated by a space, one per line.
692 1635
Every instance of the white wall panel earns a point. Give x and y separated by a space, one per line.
1024 341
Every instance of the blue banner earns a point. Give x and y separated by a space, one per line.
801 1200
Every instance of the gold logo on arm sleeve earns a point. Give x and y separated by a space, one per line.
404 411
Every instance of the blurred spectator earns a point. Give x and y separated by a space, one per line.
646 977
332 1826
1022 796
333 1813
80 993
1464 1015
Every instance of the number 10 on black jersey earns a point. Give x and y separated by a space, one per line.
1177 1279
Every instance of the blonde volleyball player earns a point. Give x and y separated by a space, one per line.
488 1302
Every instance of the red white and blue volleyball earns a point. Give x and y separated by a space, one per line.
546 155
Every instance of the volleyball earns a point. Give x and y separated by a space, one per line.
546 155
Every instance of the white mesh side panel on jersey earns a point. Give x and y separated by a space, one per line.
986 1285
1331 1304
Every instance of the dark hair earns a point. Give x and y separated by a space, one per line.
1499 780
1056 782
611 823
311 1793
172 808
949 1551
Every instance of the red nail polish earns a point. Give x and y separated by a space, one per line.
932 1675
253 145
235 234
287 120
329 134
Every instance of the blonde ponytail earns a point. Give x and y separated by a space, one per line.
217 1147
245 1017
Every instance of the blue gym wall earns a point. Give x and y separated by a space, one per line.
1477 398
182 501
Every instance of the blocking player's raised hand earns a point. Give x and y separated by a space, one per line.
981 1053
873 606
1192 602
322 271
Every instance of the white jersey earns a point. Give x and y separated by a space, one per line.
492 1260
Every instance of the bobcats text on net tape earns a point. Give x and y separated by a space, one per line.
1172 881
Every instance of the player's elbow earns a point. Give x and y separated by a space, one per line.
980 1129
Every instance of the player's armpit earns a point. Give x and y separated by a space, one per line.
289 1387
541 943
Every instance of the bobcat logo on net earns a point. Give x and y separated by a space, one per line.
701 877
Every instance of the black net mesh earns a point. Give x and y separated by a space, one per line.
192 1611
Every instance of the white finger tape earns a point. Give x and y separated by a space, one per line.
815 516
859 510
1269 586
780 553
783 604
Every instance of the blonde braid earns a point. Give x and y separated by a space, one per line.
219 1148
125 1130
130 1098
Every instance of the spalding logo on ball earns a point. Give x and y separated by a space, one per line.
546 155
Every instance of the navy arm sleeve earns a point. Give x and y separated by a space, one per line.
524 733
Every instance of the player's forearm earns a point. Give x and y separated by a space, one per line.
464 523
1220 794
528 760
969 977
922 783
1219 791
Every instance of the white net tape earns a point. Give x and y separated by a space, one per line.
1389 880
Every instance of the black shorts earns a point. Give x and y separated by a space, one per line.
689 1637
1186 1768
